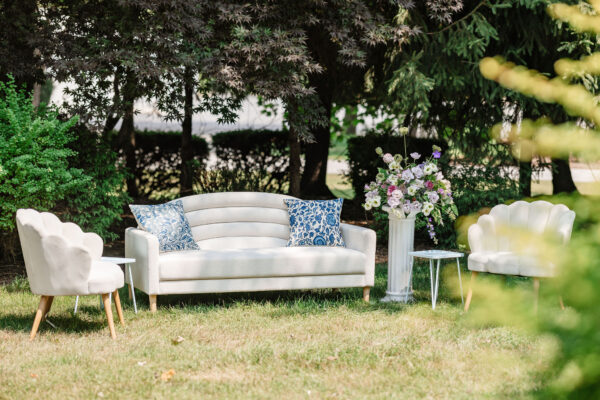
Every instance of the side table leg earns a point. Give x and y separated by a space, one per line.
460 280
431 282
437 283
76 303
131 287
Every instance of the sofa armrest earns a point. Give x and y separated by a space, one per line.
143 246
363 240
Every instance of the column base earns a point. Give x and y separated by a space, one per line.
391 297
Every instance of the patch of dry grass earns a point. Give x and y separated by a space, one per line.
312 344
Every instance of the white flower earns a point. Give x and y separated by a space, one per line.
393 202
415 206
394 165
417 171
388 158
415 155
433 197
430 169
406 207
397 194
419 183
376 201
412 190
392 179
407 175
446 184
427 208
368 205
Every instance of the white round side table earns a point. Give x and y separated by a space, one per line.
438 255
118 260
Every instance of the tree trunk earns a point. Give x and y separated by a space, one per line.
295 163
562 181
186 176
127 138
525 178
317 152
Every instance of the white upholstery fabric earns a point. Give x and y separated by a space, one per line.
254 263
497 250
242 239
59 257
104 276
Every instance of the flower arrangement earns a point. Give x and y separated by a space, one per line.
409 189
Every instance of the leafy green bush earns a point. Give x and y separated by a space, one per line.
34 157
100 204
248 160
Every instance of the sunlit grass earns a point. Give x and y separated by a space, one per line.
308 344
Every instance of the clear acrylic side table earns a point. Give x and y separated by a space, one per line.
438 255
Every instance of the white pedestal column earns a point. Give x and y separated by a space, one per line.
401 242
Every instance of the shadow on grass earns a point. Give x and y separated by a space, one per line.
65 323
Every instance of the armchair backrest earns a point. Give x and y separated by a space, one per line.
58 256
537 217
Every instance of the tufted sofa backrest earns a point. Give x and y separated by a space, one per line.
538 217
57 254
239 220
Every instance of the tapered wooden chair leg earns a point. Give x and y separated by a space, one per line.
536 293
470 292
366 293
152 299
118 306
48 306
560 301
38 316
109 315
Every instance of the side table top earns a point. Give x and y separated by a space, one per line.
118 260
436 254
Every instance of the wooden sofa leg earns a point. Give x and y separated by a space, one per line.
48 306
366 293
470 292
152 298
41 311
109 315
536 293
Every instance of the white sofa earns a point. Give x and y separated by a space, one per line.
242 238
495 242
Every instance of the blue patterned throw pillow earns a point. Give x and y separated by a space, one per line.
315 222
168 223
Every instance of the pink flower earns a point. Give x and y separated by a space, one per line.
429 185
390 189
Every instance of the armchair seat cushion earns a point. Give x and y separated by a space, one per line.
105 277
266 262
509 263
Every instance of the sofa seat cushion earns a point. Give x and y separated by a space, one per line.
105 277
509 263
252 263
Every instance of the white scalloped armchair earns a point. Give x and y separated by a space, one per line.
62 260
495 250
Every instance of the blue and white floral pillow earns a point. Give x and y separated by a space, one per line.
168 223
315 222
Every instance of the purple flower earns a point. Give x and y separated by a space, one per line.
429 185
437 154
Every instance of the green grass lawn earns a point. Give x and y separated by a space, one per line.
300 344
